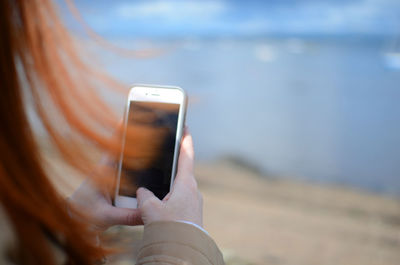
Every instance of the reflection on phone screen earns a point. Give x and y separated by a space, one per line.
149 148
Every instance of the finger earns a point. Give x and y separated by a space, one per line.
124 216
143 195
186 157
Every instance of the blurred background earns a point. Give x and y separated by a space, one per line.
295 114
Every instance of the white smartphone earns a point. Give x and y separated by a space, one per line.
153 128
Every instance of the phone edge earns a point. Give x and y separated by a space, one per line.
178 139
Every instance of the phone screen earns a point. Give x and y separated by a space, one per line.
149 148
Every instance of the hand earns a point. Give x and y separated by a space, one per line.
183 202
97 205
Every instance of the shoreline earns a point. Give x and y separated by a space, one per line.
253 168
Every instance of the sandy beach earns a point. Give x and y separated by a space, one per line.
259 220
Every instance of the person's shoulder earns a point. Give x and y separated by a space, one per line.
8 241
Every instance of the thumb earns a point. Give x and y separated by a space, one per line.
144 195
186 157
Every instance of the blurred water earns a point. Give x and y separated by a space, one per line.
325 110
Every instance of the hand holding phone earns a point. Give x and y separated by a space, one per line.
184 202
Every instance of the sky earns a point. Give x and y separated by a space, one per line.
241 17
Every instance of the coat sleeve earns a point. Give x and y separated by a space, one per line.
177 243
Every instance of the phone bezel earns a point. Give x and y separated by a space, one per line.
152 93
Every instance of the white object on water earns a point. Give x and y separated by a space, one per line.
265 53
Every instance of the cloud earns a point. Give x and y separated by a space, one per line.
238 17
171 10
367 16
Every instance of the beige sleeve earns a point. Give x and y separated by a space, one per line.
177 243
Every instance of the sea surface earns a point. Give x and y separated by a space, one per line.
325 110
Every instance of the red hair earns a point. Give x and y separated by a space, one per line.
42 72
